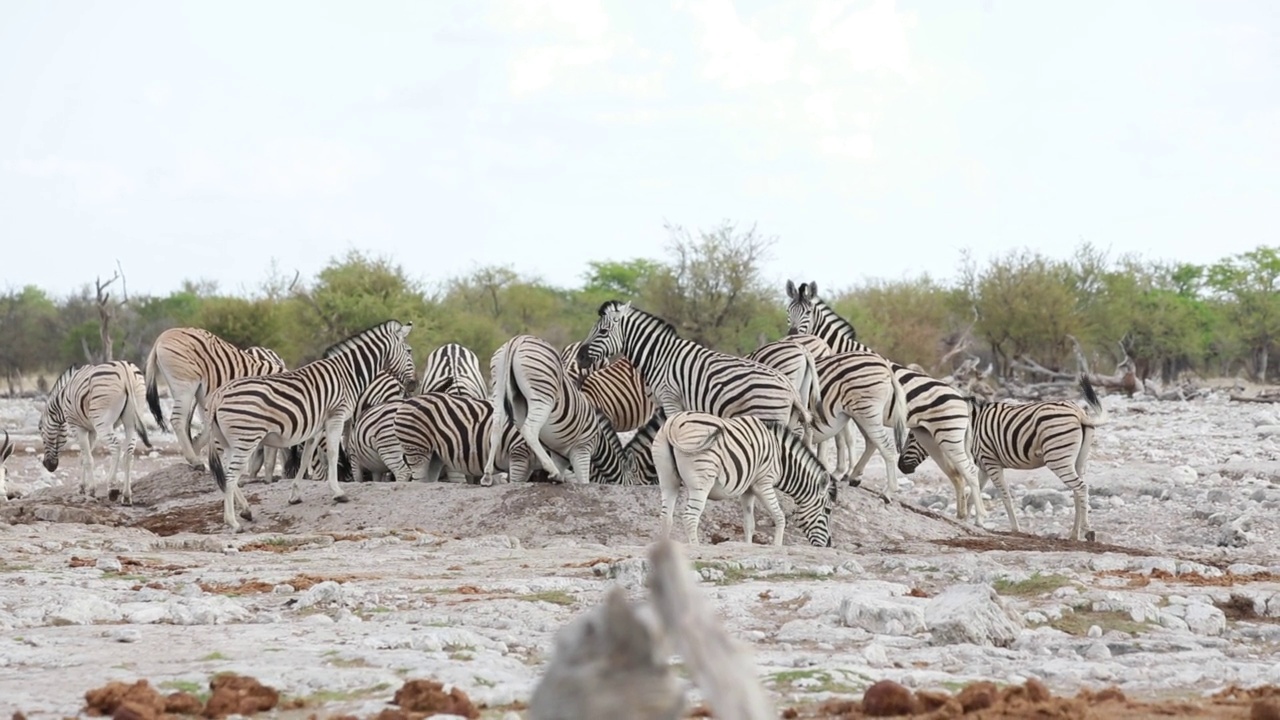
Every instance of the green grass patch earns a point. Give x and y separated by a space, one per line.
215 655
328 696
1035 585
555 597
733 572
199 690
1079 622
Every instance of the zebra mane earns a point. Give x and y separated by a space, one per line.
354 340
64 378
835 318
661 323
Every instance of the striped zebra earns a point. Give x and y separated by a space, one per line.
371 445
93 400
385 387
683 375
569 358
300 405
6 449
937 414
639 468
459 363
533 392
795 363
615 388
746 458
194 362
859 389
1050 433
440 432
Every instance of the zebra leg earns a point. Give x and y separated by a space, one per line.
668 482
996 473
580 457
131 441
234 461
879 438
111 441
85 438
1081 525
531 429
748 502
770 497
334 433
308 451
184 407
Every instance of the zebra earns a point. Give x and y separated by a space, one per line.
6 449
746 458
443 432
194 362
371 445
795 362
94 399
569 358
639 468
683 375
300 405
859 389
615 387
937 414
1049 433
531 388
455 361
385 387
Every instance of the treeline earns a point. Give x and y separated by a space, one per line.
1216 320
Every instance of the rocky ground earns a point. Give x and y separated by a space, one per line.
336 606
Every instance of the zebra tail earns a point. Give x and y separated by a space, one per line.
690 447
215 462
896 413
153 392
815 384
1097 413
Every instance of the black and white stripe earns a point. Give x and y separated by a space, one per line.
458 363
683 375
6 449
533 392
937 414
384 388
745 458
299 406
439 432
194 362
371 445
1025 436
860 389
93 400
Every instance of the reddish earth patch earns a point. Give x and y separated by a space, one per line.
428 696
1137 579
1021 542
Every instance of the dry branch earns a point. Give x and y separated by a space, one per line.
610 661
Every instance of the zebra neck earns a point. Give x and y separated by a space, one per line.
801 473
645 341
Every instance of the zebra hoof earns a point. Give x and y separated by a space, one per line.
113 495
1091 536
295 501
247 514
196 466
341 499
853 481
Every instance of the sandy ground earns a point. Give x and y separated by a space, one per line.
336 605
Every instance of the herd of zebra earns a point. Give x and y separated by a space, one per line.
719 425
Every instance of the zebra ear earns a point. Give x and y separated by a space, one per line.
791 289
624 307
404 329
809 290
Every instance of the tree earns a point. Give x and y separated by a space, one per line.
712 290
28 333
1027 307
1252 280
908 320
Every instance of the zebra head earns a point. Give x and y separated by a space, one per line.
913 453
53 418
605 339
801 302
818 530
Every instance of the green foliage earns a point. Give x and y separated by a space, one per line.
1168 317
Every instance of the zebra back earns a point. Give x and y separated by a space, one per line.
456 362
705 380
268 356
619 392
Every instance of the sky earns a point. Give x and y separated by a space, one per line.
873 139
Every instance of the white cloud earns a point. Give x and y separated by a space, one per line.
737 55
94 182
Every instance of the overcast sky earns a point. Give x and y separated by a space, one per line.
873 138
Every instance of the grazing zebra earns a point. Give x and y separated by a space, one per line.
683 375
1049 433
860 389
532 390
746 458
453 361
639 468
371 445
300 405
443 432
385 387
194 363
93 400
6 449
937 414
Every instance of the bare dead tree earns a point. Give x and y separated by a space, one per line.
107 308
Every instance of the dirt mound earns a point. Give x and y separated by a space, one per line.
178 499
985 701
